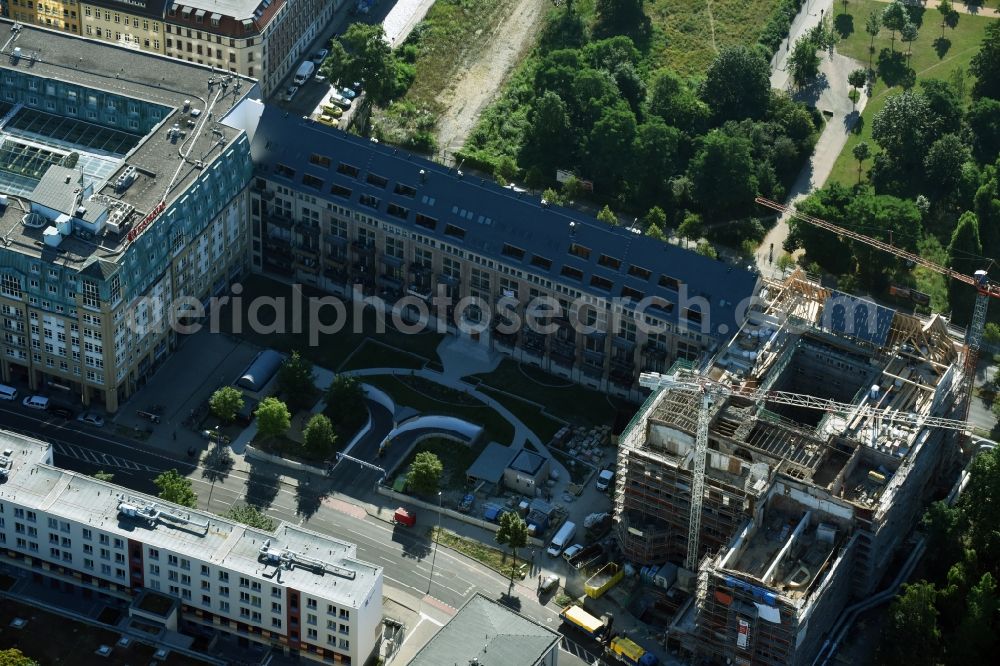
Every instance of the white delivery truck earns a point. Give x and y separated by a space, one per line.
563 538
304 72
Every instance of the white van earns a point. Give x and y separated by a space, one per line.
7 392
36 402
562 539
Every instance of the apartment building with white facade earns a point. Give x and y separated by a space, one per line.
294 589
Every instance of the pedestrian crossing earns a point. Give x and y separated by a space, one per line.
99 458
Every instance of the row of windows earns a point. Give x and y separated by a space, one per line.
117 18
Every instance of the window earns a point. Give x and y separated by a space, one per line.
639 272
572 273
276 622
340 191
311 634
369 201
312 181
286 171
311 619
454 232
348 170
119 543
377 180
320 160
405 190
204 570
154 569
172 560
541 262
311 603
610 262
223 576
693 316
275 607
224 606
244 582
426 222
601 283
669 282
154 554
629 292
397 211
578 250
512 251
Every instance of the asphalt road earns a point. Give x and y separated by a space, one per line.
319 504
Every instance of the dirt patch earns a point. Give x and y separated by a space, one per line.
482 79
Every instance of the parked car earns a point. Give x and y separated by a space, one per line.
92 418
320 56
329 121
571 552
404 517
62 412
332 110
319 78
604 479
348 93
339 100
290 93
36 402
549 584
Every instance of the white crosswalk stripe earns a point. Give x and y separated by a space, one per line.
99 458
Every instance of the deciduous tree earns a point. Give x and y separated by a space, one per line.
176 488
297 381
607 216
737 84
513 533
910 634
985 65
862 151
344 397
873 25
101 475
370 59
318 437
803 63
14 657
722 172
548 141
964 255
894 18
250 515
903 128
226 403
424 477
620 17
273 417
856 79
908 33
610 141
943 164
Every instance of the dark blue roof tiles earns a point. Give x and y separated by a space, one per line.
482 217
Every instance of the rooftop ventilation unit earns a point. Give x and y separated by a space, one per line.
152 513
34 221
289 559
125 180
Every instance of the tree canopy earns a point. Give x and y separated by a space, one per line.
985 65
297 381
318 437
737 84
424 477
344 397
226 403
273 417
362 53
513 533
176 488
14 657
248 514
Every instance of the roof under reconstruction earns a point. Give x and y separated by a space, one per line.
801 339
310 562
155 165
487 633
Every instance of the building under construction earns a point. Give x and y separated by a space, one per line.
803 508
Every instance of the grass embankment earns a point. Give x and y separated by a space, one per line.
489 556
931 57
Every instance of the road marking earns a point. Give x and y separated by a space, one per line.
98 458
440 605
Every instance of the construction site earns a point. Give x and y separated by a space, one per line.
809 445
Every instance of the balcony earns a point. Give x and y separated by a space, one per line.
654 350
335 260
362 248
306 250
420 291
278 220
307 265
337 275
419 269
533 342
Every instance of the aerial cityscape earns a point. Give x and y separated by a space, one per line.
499 332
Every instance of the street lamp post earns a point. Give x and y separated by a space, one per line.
430 578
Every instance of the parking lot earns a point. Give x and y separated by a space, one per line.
204 362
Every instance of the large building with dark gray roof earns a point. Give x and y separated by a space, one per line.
122 194
487 633
357 218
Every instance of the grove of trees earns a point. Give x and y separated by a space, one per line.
953 616
932 188
591 100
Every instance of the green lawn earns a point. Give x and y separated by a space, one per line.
455 457
931 59
684 33
373 354
561 398
429 398
545 427
490 556
333 348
